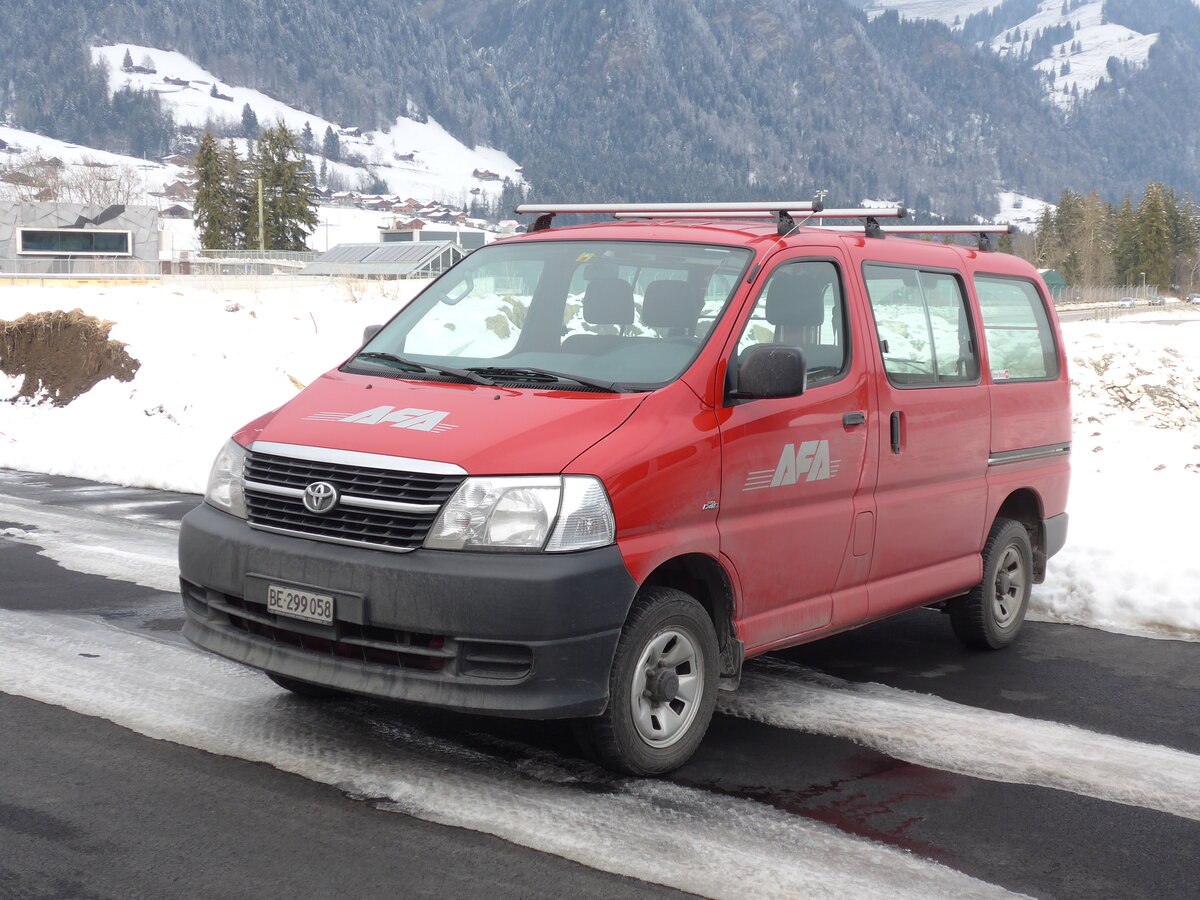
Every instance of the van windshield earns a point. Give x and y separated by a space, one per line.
585 315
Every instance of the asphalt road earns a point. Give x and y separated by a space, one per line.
92 809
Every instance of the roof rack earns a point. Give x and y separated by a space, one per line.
883 212
874 230
780 209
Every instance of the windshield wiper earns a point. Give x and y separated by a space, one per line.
518 373
468 374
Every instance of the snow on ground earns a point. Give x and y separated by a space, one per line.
1130 564
1097 39
213 360
438 166
1020 210
654 830
26 146
949 12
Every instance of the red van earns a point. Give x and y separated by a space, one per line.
589 471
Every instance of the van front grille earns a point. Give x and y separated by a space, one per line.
359 481
380 508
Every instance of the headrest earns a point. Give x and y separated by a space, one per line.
608 301
796 299
671 304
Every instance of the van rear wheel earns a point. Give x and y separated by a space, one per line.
662 687
991 615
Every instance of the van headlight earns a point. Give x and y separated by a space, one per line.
226 485
554 513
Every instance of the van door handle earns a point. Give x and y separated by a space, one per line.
896 432
854 418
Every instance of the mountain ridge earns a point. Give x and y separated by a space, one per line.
630 99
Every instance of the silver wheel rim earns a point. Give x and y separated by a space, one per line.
1009 591
662 721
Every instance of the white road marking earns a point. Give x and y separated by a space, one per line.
655 831
981 743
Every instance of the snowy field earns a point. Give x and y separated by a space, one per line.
413 157
211 361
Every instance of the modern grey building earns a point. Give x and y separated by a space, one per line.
74 238
418 232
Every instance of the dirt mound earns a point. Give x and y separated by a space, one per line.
61 355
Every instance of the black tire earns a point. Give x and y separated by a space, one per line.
662 688
304 688
991 615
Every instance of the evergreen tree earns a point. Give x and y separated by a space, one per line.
216 212
331 147
1125 254
127 61
250 127
1095 242
288 205
1154 243
1047 247
238 179
306 138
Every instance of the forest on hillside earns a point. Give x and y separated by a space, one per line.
697 99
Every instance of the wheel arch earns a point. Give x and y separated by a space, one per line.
1024 505
705 579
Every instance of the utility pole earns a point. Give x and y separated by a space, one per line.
262 242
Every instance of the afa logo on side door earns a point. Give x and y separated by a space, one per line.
415 419
810 462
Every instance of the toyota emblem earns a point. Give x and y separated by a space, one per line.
320 497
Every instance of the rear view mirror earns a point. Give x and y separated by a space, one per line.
370 331
772 370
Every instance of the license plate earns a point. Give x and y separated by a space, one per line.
288 601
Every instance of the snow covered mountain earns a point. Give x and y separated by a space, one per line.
1072 66
413 158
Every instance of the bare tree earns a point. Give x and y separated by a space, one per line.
102 185
34 178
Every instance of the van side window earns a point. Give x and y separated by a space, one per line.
1017 329
924 327
801 305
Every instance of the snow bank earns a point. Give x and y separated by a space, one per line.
1130 564
211 361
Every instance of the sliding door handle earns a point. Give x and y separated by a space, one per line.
896 432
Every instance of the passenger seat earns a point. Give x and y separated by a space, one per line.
606 301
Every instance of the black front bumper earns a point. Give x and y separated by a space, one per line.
498 633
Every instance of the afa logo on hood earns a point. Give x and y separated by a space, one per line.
415 419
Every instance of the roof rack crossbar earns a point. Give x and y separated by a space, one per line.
769 206
930 229
875 230
888 212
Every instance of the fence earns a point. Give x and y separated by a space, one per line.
210 267
1105 294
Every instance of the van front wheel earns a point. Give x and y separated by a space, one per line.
662 687
990 616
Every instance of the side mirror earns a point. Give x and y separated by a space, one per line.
771 370
370 331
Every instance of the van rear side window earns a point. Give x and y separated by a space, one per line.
1017 329
924 330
